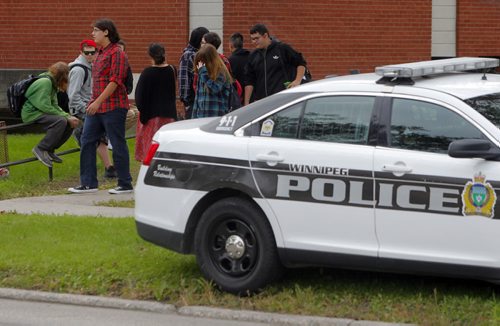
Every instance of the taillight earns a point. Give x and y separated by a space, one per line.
151 153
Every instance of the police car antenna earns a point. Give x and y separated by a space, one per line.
405 72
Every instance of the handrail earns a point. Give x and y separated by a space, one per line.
18 125
32 159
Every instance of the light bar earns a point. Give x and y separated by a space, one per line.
432 67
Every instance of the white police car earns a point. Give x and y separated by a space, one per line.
393 171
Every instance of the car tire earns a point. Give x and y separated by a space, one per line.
235 247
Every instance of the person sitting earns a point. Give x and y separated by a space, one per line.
41 107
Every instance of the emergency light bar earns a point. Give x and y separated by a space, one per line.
423 68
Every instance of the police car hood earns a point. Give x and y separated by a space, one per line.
187 124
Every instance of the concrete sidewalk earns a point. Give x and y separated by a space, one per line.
74 204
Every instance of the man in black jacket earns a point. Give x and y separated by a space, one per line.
272 67
238 58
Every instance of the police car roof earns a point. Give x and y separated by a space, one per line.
463 85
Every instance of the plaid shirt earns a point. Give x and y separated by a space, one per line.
186 76
212 96
111 65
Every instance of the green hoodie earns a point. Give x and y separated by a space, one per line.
41 98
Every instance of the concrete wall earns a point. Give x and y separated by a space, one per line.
8 77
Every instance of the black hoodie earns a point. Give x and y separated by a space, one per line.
268 69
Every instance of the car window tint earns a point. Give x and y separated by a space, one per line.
284 124
340 119
423 126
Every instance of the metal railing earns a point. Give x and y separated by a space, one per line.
3 139
3 129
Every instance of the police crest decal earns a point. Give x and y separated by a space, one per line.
478 197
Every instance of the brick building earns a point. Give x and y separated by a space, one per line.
334 36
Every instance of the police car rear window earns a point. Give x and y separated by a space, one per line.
488 106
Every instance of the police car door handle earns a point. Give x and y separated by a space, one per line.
396 168
270 157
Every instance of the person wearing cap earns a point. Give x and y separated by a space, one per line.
79 93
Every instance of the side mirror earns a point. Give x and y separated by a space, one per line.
473 148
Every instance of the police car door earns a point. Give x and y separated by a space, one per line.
312 163
425 211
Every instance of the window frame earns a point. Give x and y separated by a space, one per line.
253 129
384 127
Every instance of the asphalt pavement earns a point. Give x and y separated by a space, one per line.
55 305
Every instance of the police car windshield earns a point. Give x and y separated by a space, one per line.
488 106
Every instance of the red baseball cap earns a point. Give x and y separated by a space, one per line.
87 43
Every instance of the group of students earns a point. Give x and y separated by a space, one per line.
98 96
98 102
206 77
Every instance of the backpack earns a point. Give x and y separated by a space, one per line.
129 81
234 101
62 96
16 94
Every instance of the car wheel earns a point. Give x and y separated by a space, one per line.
235 247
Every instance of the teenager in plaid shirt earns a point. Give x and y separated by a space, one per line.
106 112
213 86
186 71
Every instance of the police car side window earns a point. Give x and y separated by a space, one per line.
339 119
284 124
423 126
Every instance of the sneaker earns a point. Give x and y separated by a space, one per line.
54 158
42 156
110 172
82 189
121 190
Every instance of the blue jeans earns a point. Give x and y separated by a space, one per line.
112 124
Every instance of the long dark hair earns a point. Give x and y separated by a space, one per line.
105 24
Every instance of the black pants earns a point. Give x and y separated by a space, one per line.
58 130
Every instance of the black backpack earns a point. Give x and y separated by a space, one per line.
129 81
234 101
16 94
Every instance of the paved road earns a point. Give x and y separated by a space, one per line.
27 313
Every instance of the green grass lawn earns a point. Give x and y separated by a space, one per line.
100 256
31 179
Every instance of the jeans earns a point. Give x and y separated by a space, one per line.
111 123
58 131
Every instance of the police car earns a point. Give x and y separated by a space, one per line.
396 170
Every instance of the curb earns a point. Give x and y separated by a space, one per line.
191 311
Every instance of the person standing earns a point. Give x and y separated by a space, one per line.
79 93
155 99
238 59
272 67
214 83
186 71
41 107
106 112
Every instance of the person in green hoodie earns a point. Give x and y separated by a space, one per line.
41 107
